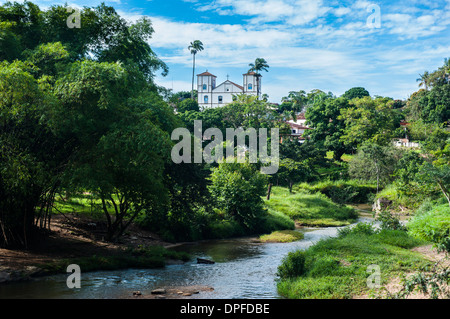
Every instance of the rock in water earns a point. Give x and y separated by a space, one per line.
204 261
159 291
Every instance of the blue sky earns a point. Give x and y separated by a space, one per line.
309 44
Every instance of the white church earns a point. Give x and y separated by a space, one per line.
211 95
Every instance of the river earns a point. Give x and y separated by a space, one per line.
243 269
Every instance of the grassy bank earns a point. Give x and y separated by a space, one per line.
310 209
342 191
282 236
337 268
149 257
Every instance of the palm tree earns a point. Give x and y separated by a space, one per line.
298 100
259 65
446 69
424 80
194 47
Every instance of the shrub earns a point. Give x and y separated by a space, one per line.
343 192
389 221
293 265
237 189
360 228
432 225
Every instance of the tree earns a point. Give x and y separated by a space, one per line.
292 172
328 127
121 143
356 92
194 47
424 80
371 120
294 102
31 156
436 168
188 105
374 162
248 111
259 65
237 189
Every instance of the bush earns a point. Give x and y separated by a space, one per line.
360 228
293 265
342 192
389 221
432 225
237 189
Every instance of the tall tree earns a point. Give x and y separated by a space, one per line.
259 65
424 80
356 92
323 116
194 47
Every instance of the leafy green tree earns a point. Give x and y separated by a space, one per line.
237 188
10 48
374 163
356 92
194 48
371 120
292 172
329 127
436 167
188 105
247 111
122 148
30 155
49 58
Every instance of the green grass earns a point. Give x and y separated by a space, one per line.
281 236
337 268
345 157
81 204
310 209
432 223
341 191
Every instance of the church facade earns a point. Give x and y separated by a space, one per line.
211 95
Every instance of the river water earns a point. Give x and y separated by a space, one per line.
243 269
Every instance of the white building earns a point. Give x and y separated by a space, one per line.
211 95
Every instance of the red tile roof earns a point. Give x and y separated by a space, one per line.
241 87
206 74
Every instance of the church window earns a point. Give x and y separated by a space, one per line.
250 86
205 87
205 98
220 98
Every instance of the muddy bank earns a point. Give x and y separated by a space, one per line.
70 237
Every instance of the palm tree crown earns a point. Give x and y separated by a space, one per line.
259 65
424 80
195 47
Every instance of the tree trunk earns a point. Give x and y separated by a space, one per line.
193 75
269 189
446 193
